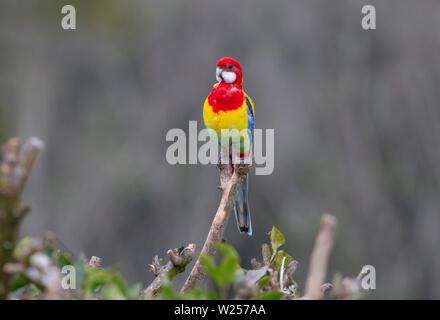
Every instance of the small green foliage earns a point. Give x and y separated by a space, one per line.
133 291
34 289
210 268
25 242
279 259
96 278
200 294
57 255
276 240
263 282
80 267
112 292
224 274
229 270
111 283
19 282
273 295
167 293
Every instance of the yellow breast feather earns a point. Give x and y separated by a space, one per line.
231 119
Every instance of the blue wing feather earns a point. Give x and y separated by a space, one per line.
242 211
250 115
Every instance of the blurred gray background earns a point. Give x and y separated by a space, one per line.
356 116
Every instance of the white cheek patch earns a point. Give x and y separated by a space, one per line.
229 77
218 72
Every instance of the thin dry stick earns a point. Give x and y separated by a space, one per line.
94 262
179 258
31 150
319 257
220 222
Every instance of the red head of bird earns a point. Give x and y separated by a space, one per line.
229 71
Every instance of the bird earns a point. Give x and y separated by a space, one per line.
229 107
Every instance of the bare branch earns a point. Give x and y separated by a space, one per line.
224 174
179 258
95 262
319 257
288 273
219 223
31 150
10 157
155 266
14 171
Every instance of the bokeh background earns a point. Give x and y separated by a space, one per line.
356 116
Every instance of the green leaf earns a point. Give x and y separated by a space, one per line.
263 282
225 273
18 250
229 265
80 268
63 260
276 240
97 278
167 292
227 251
19 282
210 268
279 259
59 256
200 294
273 295
112 291
34 289
133 291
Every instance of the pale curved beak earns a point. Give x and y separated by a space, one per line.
218 74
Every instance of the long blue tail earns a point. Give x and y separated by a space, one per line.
242 213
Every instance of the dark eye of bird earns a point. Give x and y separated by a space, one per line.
229 67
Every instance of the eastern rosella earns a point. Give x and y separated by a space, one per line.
229 107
